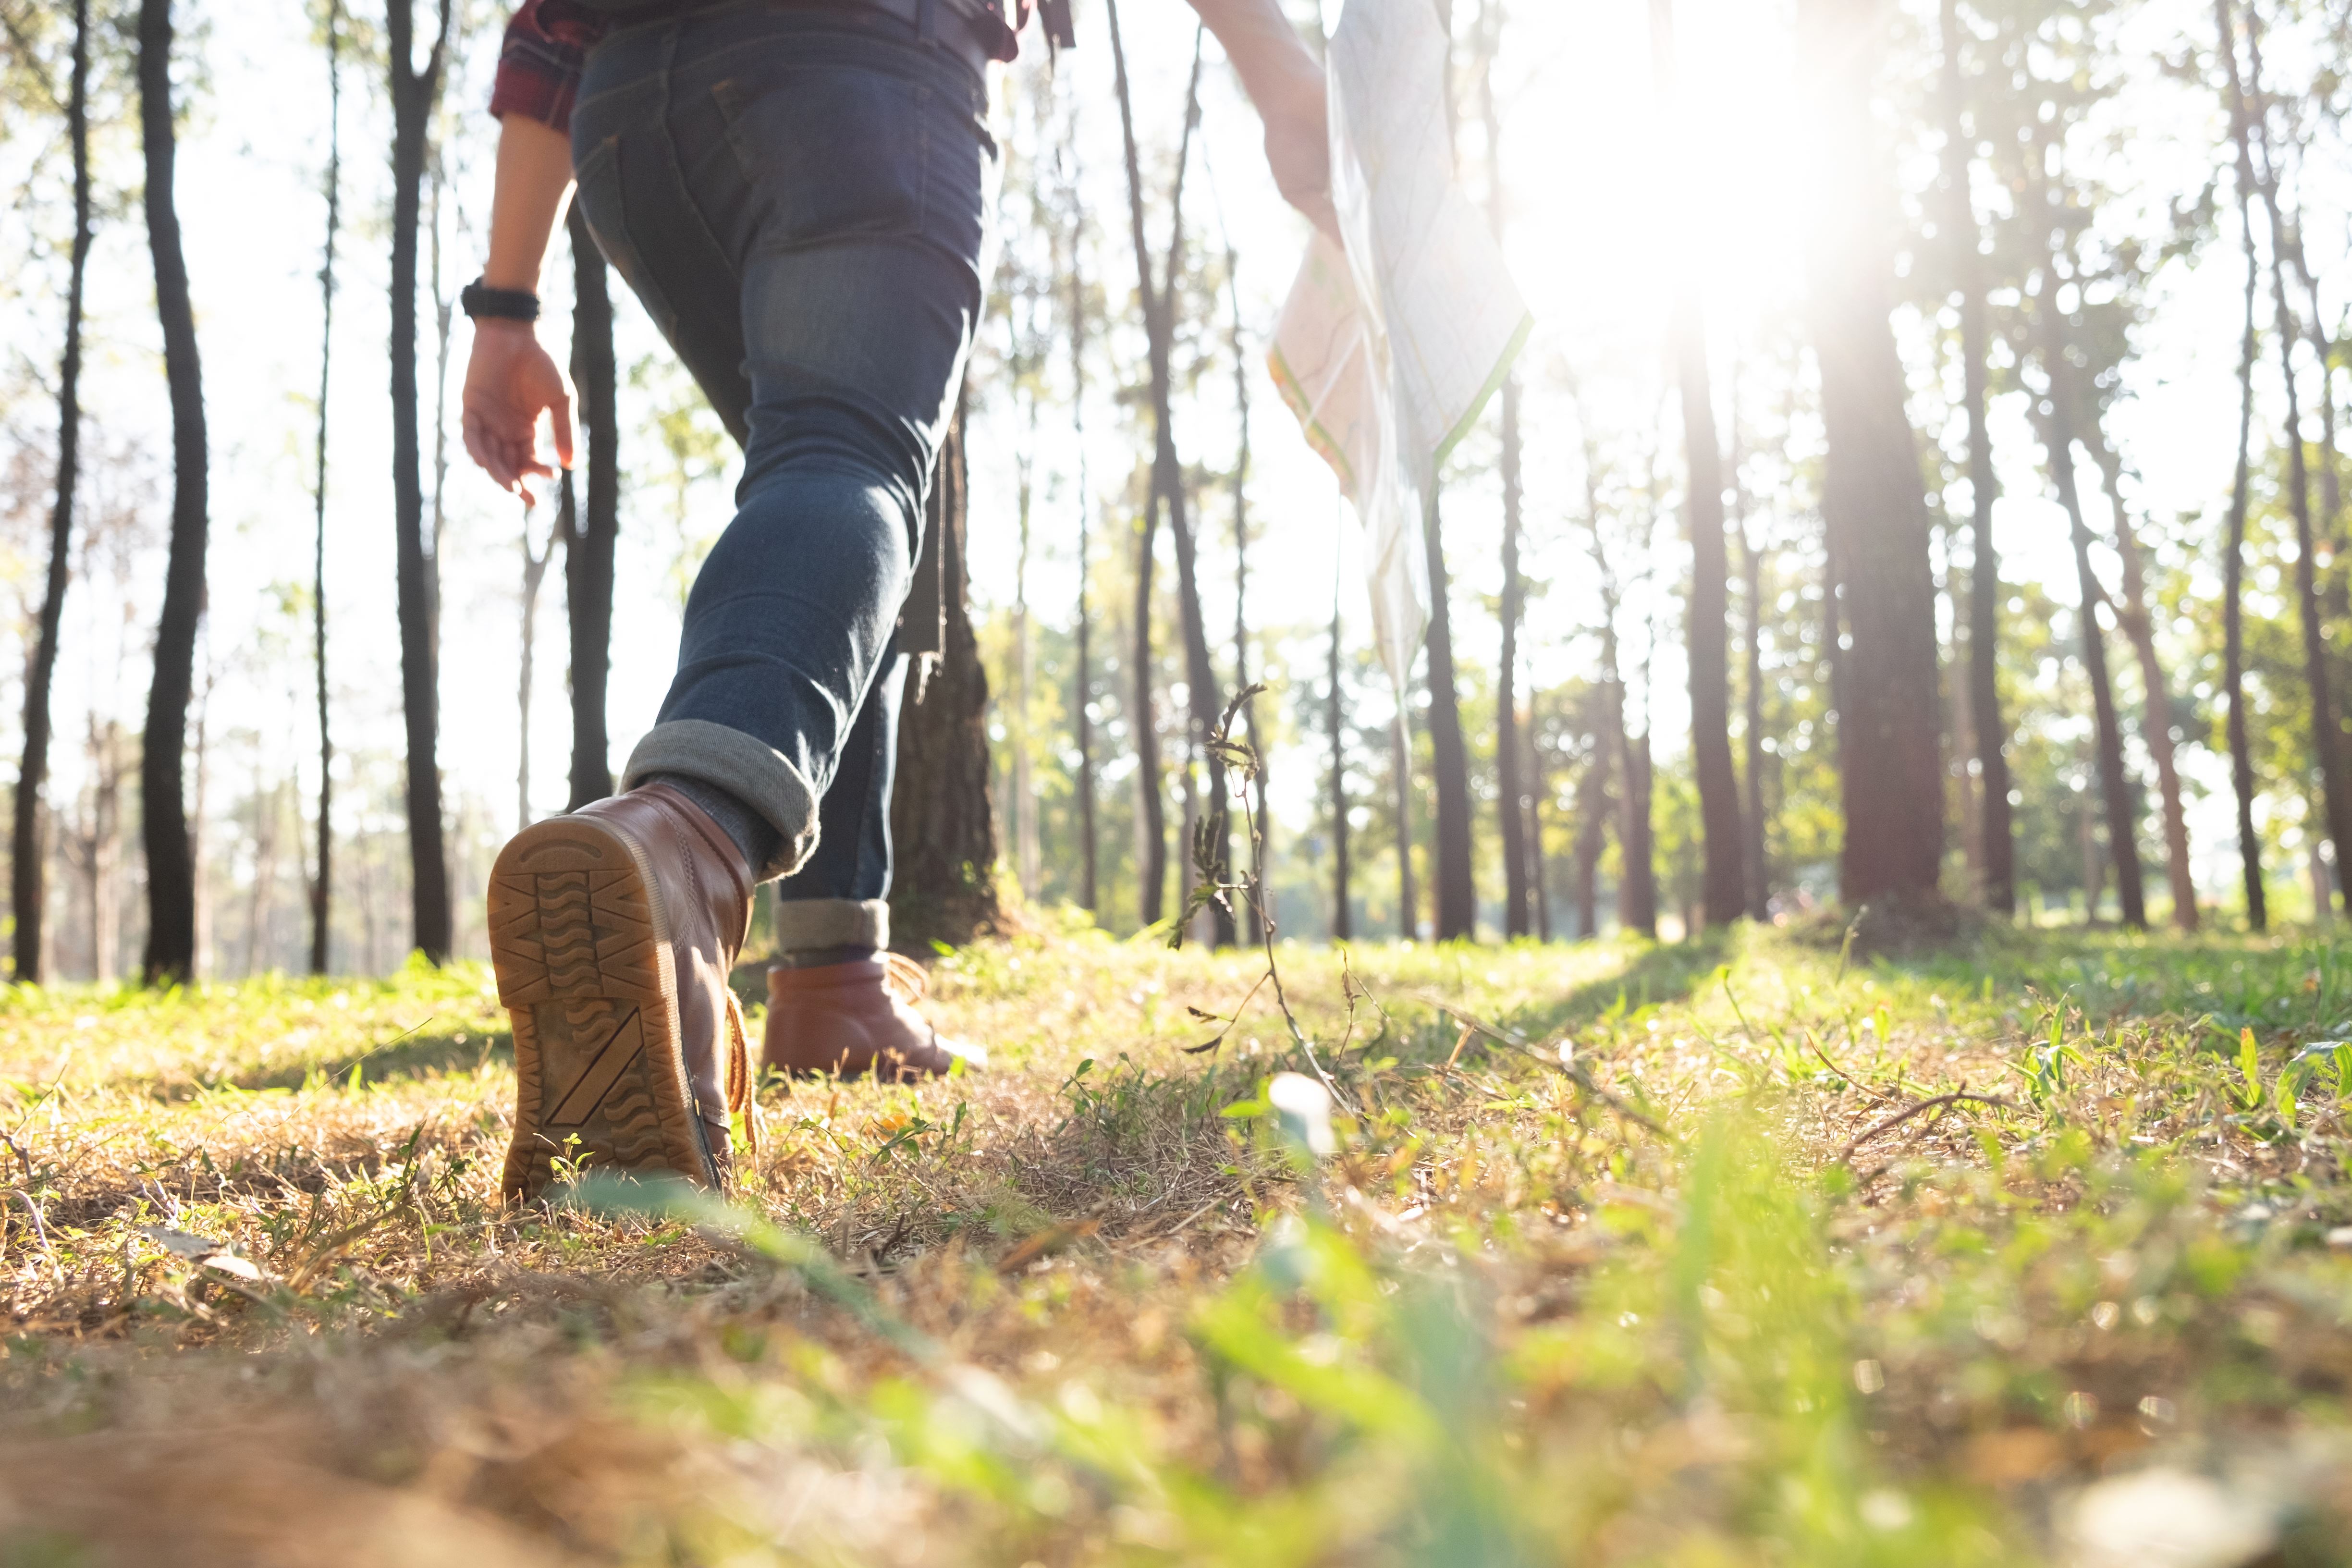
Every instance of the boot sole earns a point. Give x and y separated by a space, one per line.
585 972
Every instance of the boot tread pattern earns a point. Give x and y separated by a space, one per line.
579 969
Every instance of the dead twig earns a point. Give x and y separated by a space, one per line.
1939 1102
1573 1070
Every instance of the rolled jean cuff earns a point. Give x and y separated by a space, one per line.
744 766
806 925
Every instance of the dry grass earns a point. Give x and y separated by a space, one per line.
1692 1290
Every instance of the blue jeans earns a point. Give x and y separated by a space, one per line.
800 197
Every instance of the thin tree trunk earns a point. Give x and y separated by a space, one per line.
588 552
1512 801
1400 770
1027 855
1994 833
1083 679
1343 916
1261 822
2335 790
323 883
171 865
1449 757
1152 872
1538 871
2114 787
414 92
1753 838
2234 565
534 572
1203 702
945 889
1707 628
2156 727
1891 771
1592 807
1637 888
27 892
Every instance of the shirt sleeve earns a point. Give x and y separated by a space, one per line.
538 64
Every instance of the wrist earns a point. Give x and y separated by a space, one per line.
483 300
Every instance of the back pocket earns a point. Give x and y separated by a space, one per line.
602 204
834 152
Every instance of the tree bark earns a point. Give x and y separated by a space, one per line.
1260 821
1511 795
2156 726
534 572
1449 756
1401 751
1708 629
414 92
588 551
941 821
1343 918
1758 877
322 881
2335 790
171 953
1538 872
1995 834
2114 787
28 893
1152 872
1876 506
2234 563
1083 680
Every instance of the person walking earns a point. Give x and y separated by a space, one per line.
797 190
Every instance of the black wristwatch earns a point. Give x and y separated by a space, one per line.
480 301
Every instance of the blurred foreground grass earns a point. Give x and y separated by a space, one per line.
1626 1254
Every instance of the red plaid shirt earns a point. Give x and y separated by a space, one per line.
547 42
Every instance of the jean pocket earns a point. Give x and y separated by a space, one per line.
834 151
607 210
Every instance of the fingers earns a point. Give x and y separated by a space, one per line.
558 415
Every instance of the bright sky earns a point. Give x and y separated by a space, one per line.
1595 201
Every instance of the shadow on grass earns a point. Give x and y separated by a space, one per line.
1657 974
406 1059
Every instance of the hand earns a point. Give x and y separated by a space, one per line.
1298 149
510 381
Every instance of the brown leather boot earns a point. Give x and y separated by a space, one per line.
613 930
852 1019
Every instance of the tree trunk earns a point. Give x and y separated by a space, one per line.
1083 680
1891 772
1151 871
1707 627
1401 770
414 92
1343 918
1449 756
2156 727
1261 822
1752 561
1994 833
945 834
534 572
2335 789
2114 787
323 883
2233 564
27 892
1203 702
1028 856
1592 807
1536 786
171 866
1512 800
588 551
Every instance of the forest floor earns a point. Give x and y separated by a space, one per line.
1687 1255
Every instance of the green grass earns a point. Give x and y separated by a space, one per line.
1624 1255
